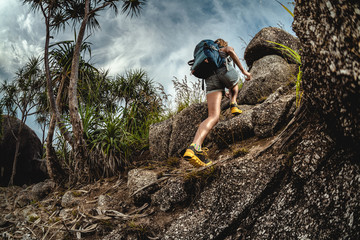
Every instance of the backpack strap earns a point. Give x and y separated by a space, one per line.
214 48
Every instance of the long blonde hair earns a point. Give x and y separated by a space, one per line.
221 42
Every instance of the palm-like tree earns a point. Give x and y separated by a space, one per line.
141 100
90 11
114 137
57 15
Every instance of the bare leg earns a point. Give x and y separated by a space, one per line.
233 99
234 93
213 101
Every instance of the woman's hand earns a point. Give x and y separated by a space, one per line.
248 75
227 94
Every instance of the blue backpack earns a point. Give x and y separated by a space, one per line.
206 49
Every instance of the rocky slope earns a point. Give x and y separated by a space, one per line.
149 200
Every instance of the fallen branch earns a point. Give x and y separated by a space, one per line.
139 209
32 232
150 184
49 228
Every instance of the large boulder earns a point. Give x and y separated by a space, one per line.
227 200
159 139
30 167
329 32
259 47
172 136
269 116
321 199
305 185
226 133
184 127
268 74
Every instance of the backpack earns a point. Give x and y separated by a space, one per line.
206 49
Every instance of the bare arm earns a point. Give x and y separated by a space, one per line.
230 50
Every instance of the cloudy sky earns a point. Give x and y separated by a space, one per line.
160 41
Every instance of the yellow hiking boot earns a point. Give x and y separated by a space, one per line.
197 158
235 109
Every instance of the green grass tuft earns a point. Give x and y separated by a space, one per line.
240 152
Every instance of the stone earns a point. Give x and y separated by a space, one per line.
141 184
159 136
104 201
171 194
65 213
69 200
42 189
184 127
268 74
269 116
23 199
258 47
235 129
32 217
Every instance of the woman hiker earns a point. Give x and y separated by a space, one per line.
225 76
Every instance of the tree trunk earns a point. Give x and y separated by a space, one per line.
58 106
13 173
49 140
52 163
55 170
79 144
50 92
17 147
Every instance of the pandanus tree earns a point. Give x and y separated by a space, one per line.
139 98
57 15
120 132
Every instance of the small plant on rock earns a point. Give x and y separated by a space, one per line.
297 58
240 152
196 180
173 162
187 93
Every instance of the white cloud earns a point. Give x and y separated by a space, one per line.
20 38
26 21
